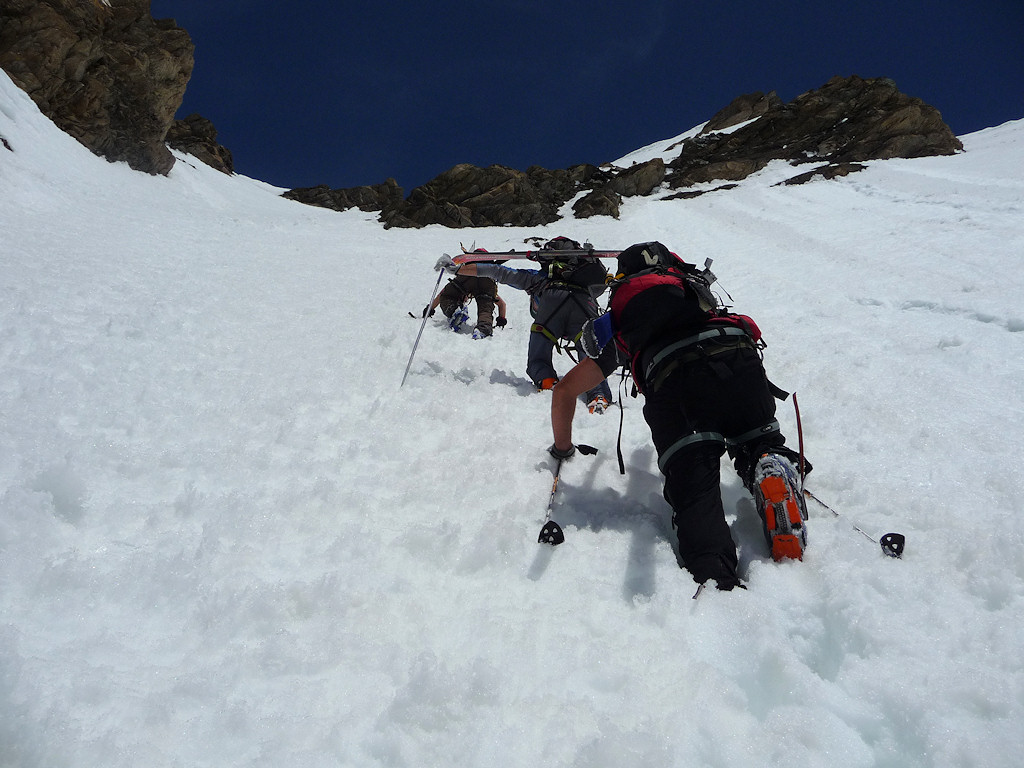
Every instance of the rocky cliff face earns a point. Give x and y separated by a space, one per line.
834 129
104 71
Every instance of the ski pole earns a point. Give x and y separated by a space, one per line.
551 532
892 543
440 274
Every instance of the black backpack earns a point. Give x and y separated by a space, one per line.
561 243
653 257
573 272
588 274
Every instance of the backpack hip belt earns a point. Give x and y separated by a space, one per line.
722 339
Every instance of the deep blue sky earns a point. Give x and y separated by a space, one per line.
307 92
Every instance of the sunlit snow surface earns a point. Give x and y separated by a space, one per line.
229 538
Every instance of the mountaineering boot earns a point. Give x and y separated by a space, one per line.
548 383
459 316
478 334
598 405
779 496
714 568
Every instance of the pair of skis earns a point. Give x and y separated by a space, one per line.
542 254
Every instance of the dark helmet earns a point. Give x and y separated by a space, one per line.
643 256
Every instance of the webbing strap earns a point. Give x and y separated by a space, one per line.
689 341
767 429
696 437
538 328
715 437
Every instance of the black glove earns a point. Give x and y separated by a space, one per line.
501 322
427 311
561 455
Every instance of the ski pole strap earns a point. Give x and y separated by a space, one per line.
622 417
777 392
715 437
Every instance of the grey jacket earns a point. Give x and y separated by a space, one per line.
555 306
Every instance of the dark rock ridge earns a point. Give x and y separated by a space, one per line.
375 197
196 136
468 196
103 71
846 121
837 127
743 108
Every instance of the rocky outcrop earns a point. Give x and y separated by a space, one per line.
743 108
470 196
196 136
376 197
836 127
103 71
640 179
848 120
600 202
833 171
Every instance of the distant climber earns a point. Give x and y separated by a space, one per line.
563 296
455 296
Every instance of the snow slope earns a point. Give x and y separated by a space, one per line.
229 538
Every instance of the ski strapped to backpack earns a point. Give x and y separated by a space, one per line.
542 254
